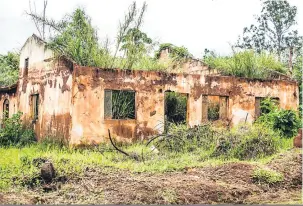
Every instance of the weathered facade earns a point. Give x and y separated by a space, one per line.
75 102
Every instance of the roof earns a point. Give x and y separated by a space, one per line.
34 36
8 88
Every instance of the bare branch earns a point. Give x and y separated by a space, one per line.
34 19
135 157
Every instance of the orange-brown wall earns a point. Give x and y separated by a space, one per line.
88 123
53 82
11 97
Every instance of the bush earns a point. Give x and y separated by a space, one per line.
267 176
225 144
179 138
286 122
15 133
258 141
247 142
243 142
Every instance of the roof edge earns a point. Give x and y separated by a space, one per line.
8 88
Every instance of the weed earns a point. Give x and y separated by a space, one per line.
168 195
14 132
246 64
267 176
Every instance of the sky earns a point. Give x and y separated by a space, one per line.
195 24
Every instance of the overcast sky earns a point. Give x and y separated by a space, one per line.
195 24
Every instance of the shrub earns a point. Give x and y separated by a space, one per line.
15 133
247 142
225 143
267 176
286 122
179 138
243 142
268 105
258 141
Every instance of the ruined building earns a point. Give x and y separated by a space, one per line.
78 103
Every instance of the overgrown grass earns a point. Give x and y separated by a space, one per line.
247 64
17 168
267 176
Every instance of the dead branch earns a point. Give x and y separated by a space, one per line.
34 19
133 156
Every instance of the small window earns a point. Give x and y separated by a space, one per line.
263 104
35 106
119 104
6 109
26 67
175 107
215 108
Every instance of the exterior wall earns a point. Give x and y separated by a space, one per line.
89 125
191 66
71 98
52 80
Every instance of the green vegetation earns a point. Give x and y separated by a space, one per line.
175 107
9 69
123 104
274 30
267 176
286 122
177 149
14 132
246 64
175 52
213 110
78 40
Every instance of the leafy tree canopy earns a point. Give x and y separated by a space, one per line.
175 52
77 39
9 68
274 29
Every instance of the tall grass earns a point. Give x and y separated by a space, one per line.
247 64
197 147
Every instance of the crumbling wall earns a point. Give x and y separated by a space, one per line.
89 124
10 95
51 79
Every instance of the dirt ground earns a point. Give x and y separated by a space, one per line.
227 183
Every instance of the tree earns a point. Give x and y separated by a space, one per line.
78 40
134 45
129 27
75 38
175 52
9 69
274 30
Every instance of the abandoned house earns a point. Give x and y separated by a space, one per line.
81 103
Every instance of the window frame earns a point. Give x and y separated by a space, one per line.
5 107
206 101
26 65
121 90
35 107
